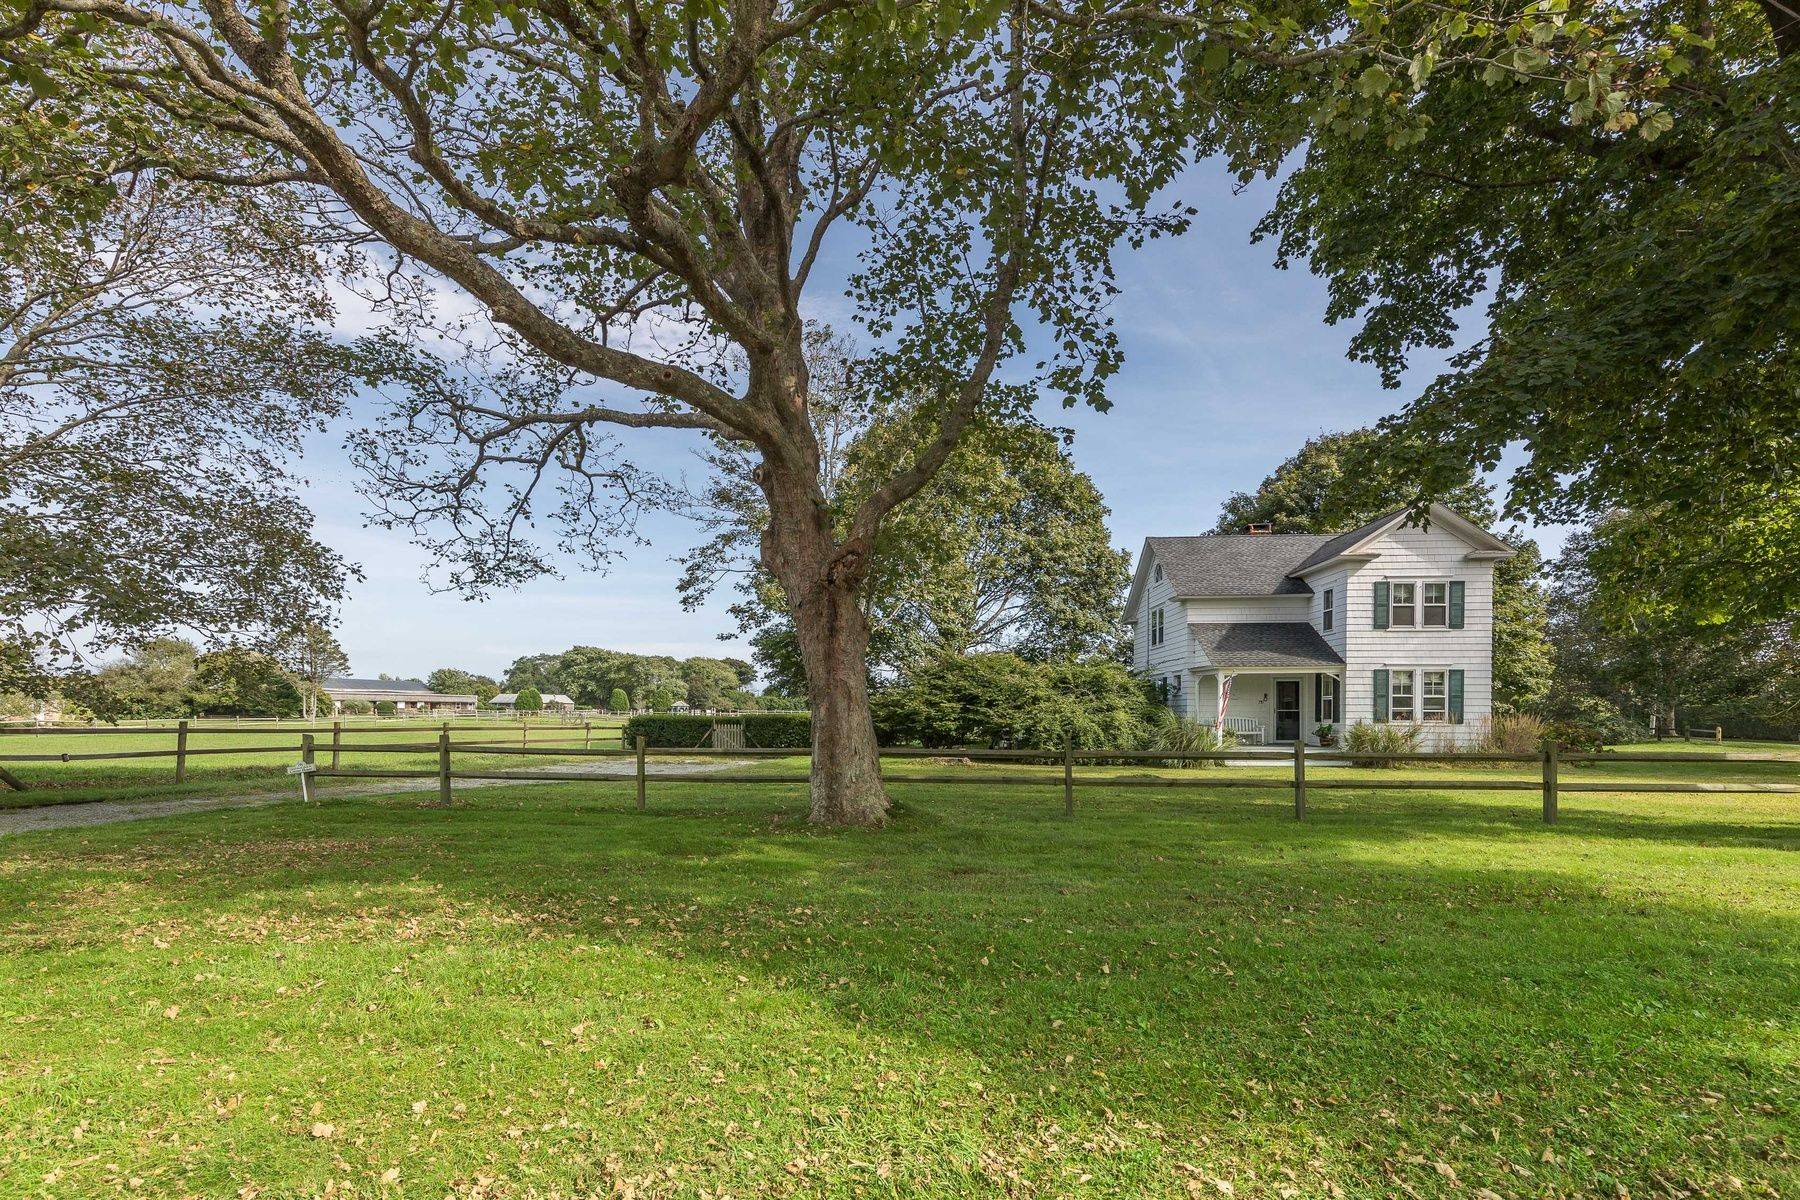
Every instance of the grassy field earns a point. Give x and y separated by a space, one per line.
153 778
541 993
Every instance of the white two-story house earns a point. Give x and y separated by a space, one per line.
1280 633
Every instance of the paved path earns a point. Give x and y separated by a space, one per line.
106 812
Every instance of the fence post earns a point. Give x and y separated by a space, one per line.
1300 780
524 727
181 732
307 795
1550 752
337 742
1718 733
640 772
587 735
1068 775
444 768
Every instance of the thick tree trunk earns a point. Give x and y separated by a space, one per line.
823 578
846 769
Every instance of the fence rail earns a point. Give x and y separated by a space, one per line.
1549 763
353 725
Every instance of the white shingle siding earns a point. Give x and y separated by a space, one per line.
1334 580
1413 555
1175 654
1248 608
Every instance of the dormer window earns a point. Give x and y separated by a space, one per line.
1156 573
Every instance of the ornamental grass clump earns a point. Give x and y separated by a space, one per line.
1364 738
1184 736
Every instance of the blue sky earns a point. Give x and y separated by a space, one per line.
1229 368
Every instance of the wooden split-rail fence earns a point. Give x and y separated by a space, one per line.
320 757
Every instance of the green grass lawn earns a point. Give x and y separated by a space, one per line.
1704 745
542 993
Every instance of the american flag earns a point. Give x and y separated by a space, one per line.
1225 697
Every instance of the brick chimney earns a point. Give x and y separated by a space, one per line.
1260 527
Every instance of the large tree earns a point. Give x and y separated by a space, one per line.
1646 656
645 196
1640 268
456 681
156 679
160 359
243 683
1338 481
311 654
627 192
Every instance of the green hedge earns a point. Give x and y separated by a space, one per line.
777 731
1005 702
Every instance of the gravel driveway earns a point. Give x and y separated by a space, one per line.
106 812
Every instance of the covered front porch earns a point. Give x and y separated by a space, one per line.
1267 683
1271 706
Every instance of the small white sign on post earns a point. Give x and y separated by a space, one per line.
305 771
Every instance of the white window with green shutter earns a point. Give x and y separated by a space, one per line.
1401 697
1434 696
1421 604
1423 695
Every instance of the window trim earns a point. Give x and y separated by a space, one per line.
1411 605
1443 674
1417 604
1328 699
1415 676
1157 624
1425 604
1327 610
1412 695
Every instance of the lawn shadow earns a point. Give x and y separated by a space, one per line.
1240 983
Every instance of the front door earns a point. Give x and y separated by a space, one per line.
1287 710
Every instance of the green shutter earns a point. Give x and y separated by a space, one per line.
1381 692
1456 689
1456 604
1381 605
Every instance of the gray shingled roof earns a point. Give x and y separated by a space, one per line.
1263 644
1236 564
1338 543
1251 564
376 685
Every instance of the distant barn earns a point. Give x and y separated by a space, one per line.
553 702
406 695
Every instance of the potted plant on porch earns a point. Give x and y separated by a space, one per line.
1326 734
